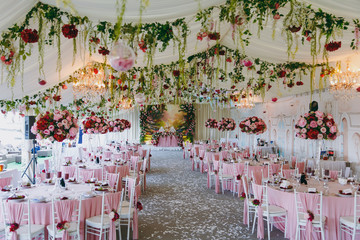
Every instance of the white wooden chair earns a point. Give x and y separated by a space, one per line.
319 220
224 178
251 208
270 212
350 224
74 230
26 230
211 173
126 211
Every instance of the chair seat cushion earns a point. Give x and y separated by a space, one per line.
22 231
349 221
274 209
96 221
71 230
303 218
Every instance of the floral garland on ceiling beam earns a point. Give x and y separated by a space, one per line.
160 84
15 43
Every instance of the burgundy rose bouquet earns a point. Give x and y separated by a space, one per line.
253 125
211 123
95 124
69 31
316 125
226 124
256 202
116 125
13 227
332 46
29 35
56 126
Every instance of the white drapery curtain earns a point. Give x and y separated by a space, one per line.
202 113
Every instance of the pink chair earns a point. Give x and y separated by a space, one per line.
257 177
113 180
301 166
287 173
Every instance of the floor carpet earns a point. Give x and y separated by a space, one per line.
178 205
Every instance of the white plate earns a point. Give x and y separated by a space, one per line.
343 195
88 195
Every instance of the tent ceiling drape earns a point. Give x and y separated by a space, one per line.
264 47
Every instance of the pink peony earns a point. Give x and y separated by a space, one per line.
302 122
34 129
320 136
303 130
329 124
64 122
319 122
323 129
73 131
333 129
313 124
319 114
306 114
51 128
47 132
57 117
303 136
247 123
51 139
38 137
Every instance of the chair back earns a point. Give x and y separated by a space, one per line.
66 210
16 213
113 180
308 202
107 155
5 181
356 210
86 174
257 177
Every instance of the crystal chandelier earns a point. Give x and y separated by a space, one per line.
89 82
246 101
343 84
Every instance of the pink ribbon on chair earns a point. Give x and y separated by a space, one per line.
217 181
15 213
257 175
246 213
309 202
65 209
86 174
112 178
112 201
301 166
5 181
334 175
258 193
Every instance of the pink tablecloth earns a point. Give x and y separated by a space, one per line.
168 141
333 208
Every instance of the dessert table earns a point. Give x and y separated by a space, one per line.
167 141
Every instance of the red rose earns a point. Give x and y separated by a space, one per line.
282 74
69 31
29 36
214 36
299 83
312 133
142 46
176 73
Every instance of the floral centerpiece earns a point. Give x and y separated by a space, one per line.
226 124
316 125
117 125
253 125
211 123
55 126
95 124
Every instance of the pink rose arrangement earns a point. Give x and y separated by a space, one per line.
118 125
95 124
226 124
211 123
316 125
253 125
56 126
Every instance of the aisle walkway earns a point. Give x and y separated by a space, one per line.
178 205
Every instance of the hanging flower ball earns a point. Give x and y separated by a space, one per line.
274 99
122 57
358 89
29 35
316 125
42 82
69 31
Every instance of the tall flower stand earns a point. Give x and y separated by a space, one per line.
57 154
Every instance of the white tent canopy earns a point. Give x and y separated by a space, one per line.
264 47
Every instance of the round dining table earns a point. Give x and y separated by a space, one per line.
334 206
